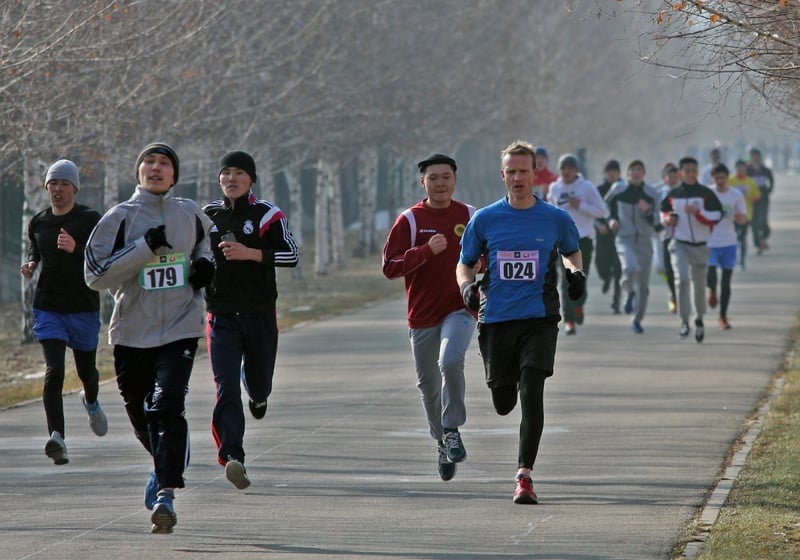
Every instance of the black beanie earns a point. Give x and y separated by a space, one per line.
434 159
239 159
159 148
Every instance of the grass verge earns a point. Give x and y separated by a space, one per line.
761 519
300 300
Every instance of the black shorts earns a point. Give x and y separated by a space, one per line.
509 346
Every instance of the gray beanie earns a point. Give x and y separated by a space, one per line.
568 160
63 169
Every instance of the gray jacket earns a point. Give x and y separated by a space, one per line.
154 304
623 206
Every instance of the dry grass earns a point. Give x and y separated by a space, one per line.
300 300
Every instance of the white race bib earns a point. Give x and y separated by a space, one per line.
517 265
164 272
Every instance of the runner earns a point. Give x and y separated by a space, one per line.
723 241
249 238
607 261
544 175
671 179
581 199
518 321
66 312
422 248
745 184
152 252
633 215
693 210
762 175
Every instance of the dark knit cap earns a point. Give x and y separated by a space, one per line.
239 159
434 159
164 150
568 160
612 165
541 151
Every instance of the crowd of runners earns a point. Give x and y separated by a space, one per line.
513 271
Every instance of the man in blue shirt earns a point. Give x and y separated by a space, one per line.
521 238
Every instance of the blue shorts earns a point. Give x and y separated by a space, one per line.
724 257
79 330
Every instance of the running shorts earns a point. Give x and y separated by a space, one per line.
79 330
509 346
723 257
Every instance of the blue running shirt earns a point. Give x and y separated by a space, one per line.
522 249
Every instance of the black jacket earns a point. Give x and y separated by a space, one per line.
248 286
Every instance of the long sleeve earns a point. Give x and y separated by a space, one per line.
399 257
109 260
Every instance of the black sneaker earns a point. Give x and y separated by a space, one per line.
699 331
453 446
684 332
258 410
447 470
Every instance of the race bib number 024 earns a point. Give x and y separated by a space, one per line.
164 272
518 265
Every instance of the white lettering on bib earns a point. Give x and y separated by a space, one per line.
517 265
164 272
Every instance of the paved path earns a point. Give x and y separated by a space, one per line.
342 467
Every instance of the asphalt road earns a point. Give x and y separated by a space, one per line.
637 430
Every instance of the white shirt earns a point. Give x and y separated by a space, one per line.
724 233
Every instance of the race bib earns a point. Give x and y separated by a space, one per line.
164 272
517 265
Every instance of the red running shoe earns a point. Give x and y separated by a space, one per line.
579 315
712 299
523 493
724 324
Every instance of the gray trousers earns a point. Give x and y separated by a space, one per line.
439 359
636 261
690 263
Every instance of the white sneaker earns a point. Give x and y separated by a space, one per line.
97 418
56 449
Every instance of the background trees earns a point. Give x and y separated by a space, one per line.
352 93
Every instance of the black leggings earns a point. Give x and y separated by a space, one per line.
55 357
724 288
531 396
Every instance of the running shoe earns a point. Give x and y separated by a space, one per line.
724 324
151 491
236 473
684 332
672 305
258 410
454 447
699 330
523 492
569 327
447 470
637 327
629 303
712 299
615 309
97 418
56 449
579 315
164 517
606 285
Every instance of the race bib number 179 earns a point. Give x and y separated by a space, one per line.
164 272
518 265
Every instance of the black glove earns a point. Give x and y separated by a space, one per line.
471 295
155 238
577 284
201 274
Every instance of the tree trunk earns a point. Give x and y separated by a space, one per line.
338 232
367 192
293 174
321 218
35 200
